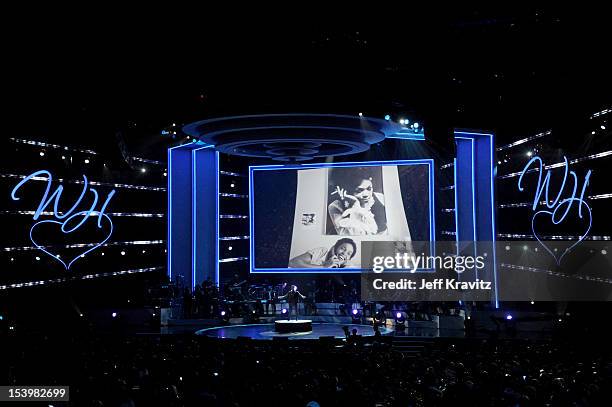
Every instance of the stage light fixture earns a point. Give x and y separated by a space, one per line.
529 153
123 252
603 127
415 125
509 317
143 169
63 157
284 311
360 114
225 316
387 117
37 258
400 321
42 153
165 174
114 315
355 311
532 302
230 248
87 161
379 317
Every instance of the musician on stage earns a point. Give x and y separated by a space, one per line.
293 297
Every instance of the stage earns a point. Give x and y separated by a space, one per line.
267 331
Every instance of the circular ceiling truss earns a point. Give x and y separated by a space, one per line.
292 137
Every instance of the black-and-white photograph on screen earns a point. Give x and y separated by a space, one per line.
316 217
357 202
337 256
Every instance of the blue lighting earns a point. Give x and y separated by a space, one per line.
508 317
491 165
387 117
194 205
355 311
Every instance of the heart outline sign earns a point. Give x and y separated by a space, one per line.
54 256
552 214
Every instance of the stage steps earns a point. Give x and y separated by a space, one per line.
410 346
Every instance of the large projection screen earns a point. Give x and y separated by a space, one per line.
312 218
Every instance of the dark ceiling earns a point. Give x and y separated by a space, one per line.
512 72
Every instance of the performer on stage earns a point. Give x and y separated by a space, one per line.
293 297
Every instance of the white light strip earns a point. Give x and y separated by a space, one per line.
551 237
447 233
79 245
94 183
49 145
561 164
233 217
523 141
146 160
225 194
232 259
605 111
515 205
232 174
445 166
234 238
448 188
528 204
556 274
448 210
120 214
601 196
85 277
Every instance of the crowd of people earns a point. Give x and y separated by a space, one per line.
176 371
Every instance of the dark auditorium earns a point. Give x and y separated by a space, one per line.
404 208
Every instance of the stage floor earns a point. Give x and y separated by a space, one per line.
266 331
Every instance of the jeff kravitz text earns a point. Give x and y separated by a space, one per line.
435 284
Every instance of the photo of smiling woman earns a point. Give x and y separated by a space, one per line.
337 256
357 202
